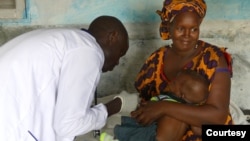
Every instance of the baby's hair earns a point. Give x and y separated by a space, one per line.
194 76
196 83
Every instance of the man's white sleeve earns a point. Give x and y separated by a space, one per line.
80 74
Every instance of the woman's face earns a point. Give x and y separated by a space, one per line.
184 30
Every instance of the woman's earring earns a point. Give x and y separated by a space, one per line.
196 46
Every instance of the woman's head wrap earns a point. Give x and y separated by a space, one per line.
171 8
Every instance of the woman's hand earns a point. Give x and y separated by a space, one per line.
196 130
148 112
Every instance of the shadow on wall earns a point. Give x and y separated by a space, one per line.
11 32
7 33
123 76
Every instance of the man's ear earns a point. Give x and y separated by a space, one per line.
112 36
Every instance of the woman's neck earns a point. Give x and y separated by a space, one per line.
185 53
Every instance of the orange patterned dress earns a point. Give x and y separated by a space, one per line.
151 80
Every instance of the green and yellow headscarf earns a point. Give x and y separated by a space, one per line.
171 8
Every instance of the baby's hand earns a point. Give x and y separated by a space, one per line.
147 112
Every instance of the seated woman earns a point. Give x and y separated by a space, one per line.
181 20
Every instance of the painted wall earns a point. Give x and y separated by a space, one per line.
54 12
226 24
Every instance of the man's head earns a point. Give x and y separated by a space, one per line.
112 36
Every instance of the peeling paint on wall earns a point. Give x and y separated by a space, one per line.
66 12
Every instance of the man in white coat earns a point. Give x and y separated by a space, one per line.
48 78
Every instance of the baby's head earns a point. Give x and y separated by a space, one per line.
191 86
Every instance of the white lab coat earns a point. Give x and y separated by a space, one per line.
47 82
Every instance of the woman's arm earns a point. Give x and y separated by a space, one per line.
215 110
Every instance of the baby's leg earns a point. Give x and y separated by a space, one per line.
170 129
